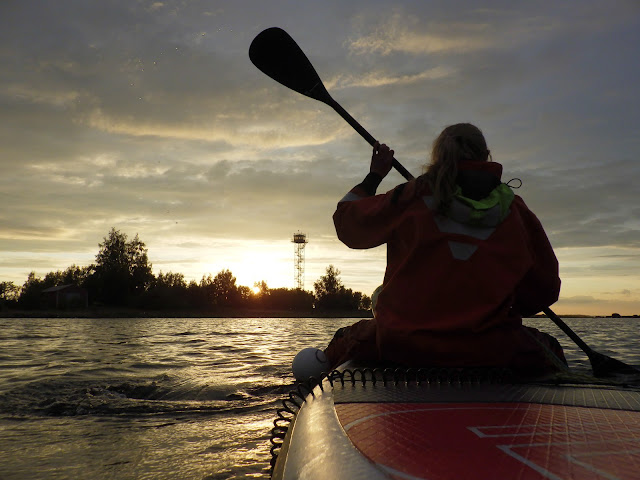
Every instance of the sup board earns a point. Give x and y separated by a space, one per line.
452 424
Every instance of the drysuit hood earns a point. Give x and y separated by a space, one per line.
478 179
481 198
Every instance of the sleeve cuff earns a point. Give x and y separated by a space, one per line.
370 183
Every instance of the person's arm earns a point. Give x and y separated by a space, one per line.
540 287
381 163
362 218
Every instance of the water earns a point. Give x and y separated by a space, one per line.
173 398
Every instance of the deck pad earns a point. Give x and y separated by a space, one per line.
436 424
495 440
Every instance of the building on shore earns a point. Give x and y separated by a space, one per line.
65 296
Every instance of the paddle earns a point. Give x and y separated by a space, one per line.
277 55
602 365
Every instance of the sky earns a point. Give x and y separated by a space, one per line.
148 116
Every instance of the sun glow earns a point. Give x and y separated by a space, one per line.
272 264
275 268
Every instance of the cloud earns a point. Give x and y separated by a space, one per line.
581 299
596 306
55 98
401 33
380 79
273 132
625 293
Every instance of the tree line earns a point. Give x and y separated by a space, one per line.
122 277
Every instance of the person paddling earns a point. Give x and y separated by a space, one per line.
466 261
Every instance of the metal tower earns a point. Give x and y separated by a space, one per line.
299 241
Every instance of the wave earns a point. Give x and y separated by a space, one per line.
31 336
163 395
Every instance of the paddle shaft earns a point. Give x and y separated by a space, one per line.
570 333
366 135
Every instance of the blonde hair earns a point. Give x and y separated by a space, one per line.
459 142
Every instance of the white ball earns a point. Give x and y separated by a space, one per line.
309 362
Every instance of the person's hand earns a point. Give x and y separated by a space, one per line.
381 160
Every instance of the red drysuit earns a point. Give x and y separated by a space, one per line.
457 285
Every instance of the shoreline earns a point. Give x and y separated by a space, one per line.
124 312
220 313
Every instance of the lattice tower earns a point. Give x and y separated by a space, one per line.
299 241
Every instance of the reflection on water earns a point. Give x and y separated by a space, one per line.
172 398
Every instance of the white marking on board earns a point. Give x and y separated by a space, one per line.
541 470
547 429
538 429
592 468
508 449
414 410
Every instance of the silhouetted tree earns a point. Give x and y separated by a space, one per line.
244 296
226 290
170 280
221 290
328 284
331 294
122 268
263 288
329 290
9 291
9 294
289 299
206 293
195 296
31 291
358 300
260 295
167 290
75 275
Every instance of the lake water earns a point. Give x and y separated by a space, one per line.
160 398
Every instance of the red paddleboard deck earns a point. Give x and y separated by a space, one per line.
461 428
490 441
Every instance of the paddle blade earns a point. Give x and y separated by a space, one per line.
277 55
604 366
